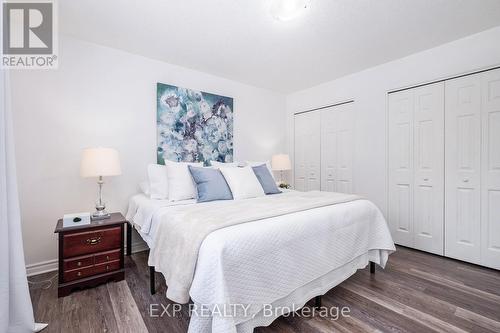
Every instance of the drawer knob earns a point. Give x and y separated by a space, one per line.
466 180
107 267
93 240
79 274
79 263
107 257
426 179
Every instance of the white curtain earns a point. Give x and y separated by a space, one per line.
16 312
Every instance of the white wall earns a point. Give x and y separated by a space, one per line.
105 97
369 90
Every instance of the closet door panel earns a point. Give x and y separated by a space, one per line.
313 151
400 148
429 167
329 121
490 169
345 147
301 123
337 148
329 162
344 158
462 177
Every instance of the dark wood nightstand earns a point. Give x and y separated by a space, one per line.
91 254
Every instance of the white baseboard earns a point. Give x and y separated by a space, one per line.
41 267
52 265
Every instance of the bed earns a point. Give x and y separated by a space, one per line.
247 256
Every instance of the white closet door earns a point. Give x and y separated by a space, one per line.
463 168
313 153
490 173
307 151
329 129
337 148
300 142
428 218
345 147
400 149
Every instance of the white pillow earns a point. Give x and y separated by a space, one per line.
158 181
217 165
144 186
180 183
267 163
243 182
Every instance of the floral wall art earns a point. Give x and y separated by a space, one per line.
193 126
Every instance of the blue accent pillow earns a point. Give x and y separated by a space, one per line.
210 184
266 179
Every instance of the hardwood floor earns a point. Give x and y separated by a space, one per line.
417 292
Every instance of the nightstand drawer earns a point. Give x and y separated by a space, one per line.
91 241
78 273
78 262
107 256
107 267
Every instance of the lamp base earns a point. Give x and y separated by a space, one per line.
100 207
100 215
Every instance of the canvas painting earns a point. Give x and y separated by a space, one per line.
193 126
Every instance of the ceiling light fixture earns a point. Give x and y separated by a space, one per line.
285 10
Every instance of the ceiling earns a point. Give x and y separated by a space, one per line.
240 40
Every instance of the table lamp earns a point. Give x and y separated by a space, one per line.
281 162
100 162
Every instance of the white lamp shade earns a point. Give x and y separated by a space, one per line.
100 162
281 162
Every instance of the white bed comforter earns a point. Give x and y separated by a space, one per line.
285 260
184 229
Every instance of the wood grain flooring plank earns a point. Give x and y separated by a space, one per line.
466 301
455 285
49 310
411 313
490 324
128 317
466 297
377 315
402 291
88 310
488 280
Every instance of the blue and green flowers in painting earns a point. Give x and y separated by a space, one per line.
193 126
